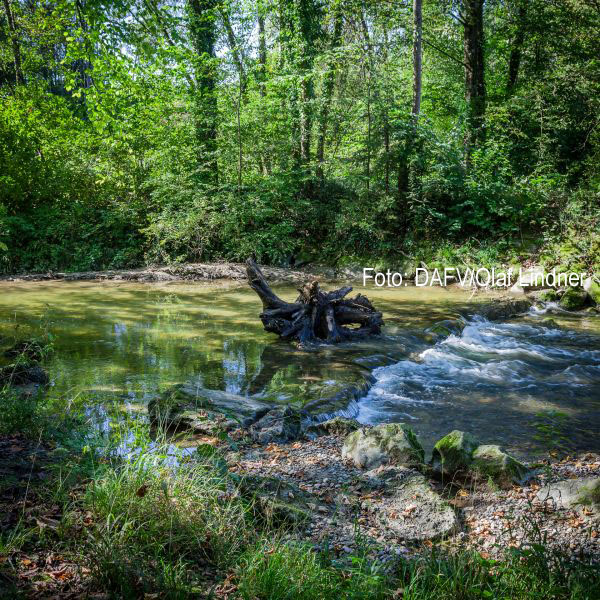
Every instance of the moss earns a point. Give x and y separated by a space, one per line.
594 292
549 296
589 494
453 453
573 299
490 461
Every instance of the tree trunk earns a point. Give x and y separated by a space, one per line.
514 61
417 55
14 38
202 31
328 85
472 17
236 52
315 316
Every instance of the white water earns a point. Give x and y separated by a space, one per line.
516 369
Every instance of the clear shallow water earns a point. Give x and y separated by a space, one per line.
120 344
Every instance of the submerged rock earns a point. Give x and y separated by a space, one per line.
503 309
195 408
447 327
282 424
572 493
29 349
573 299
415 512
23 374
454 453
392 443
490 461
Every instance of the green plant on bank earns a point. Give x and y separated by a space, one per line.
148 518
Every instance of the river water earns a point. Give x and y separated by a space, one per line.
119 344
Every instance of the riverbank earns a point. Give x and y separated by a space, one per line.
84 518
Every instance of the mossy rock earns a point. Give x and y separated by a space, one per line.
592 287
277 501
589 493
573 299
572 493
447 328
391 443
454 453
490 461
548 296
337 425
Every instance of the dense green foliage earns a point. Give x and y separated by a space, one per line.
151 131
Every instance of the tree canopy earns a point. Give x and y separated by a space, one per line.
137 131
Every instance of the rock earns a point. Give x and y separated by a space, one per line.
573 299
417 513
195 408
548 296
278 501
592 287
572 493
340 402
23 374
517 290
447 327
491 461
532 278
337 425
279 424
29 349
503 309
454 453
381 477
392 443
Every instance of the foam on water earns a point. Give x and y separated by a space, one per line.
492 359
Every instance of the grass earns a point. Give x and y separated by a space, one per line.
138 526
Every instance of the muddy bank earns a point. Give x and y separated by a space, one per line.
185 272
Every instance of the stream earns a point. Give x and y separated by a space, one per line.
119 344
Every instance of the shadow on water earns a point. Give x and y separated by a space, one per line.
133 341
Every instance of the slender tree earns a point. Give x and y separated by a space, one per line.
328 85
417 55
14 39
202 31
514 61
472 19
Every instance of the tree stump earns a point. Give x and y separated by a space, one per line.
316 316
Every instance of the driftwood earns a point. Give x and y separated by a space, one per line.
315 316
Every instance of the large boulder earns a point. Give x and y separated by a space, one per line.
572 493
199 409
573 299
415 512
490 461
282 424
453 454
391 443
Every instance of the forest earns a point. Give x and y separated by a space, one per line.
138 132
